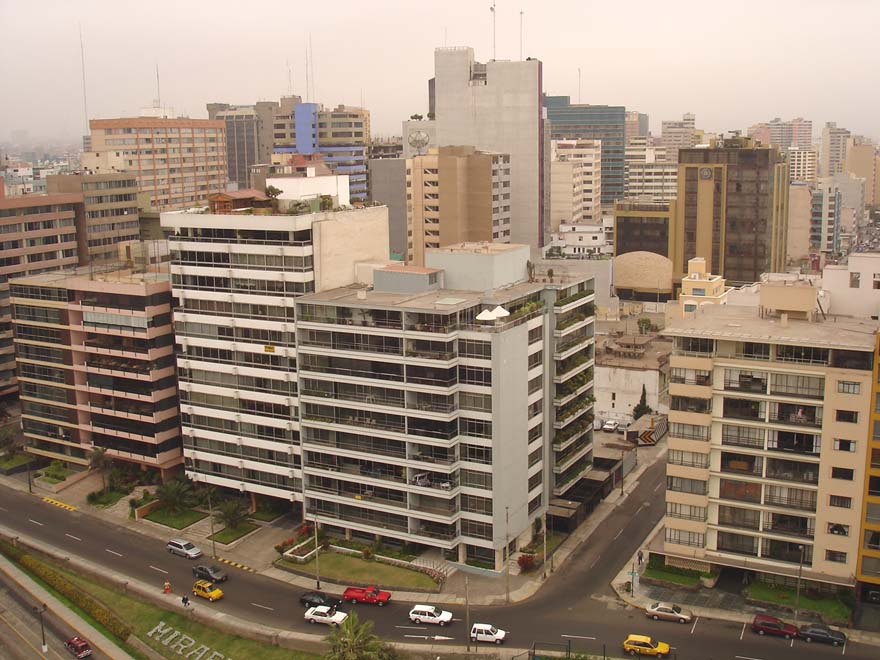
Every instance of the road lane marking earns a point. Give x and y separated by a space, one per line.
595 561
15 630
843 651
745 657
792 642
36 522
112 552
618 535
577 637
263 607
412 627
158 569
4 509
742 632
71 536
659 486
695 625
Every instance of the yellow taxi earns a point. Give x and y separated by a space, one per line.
643 645
206 589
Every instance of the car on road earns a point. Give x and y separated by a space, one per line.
78 647
207 590
183 548
371 594
819 632
327 615
318 598
212 573
610 426
644 645
486 632
668 612
764 624
430 614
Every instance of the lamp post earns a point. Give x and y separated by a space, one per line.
545 544
622 456
506 555
317 555
211 515
467 614
797 598
38 610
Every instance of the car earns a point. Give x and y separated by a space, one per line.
819 632
327 615
644 645
207 590
371 594
211 573
317 598
486 632
764 624
183 548
610 425
668 612
78 647
430 614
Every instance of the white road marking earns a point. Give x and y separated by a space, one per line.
659 486
3 509
158 569
745 657
577 637
618 534
743 632
639 510
417 636
695 625
843 651
595 561
271 609
36 522
113 552
71 536
412 627
792 642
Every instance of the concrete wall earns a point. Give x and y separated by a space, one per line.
863 300
344 238
296 188
799 213
388 186
618 390
480 271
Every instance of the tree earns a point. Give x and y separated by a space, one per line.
416 117
8 440
100 461
644 325
272 192
231 513
354 640
642 407
174 495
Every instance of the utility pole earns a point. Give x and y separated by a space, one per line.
507 554
211 514
467 614
520 34
39 611
622 456
797 601
317 553
545 544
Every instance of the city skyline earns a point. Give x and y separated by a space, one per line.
246 58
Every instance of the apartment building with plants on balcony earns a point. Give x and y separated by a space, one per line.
447 404
235 277
768 438
95 358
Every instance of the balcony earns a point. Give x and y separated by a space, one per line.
805 444
572 411
691 404
807 387
753 411
795 471
430 403
691 377
740 491
571 475
804 500
740 518
740 436
738 544
787 551
786 525
435 531
741 464
795 415
745 383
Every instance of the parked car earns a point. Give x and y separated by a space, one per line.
78 647
211 573
668 612
819 632
329 616
764 624
371 594
183 548
430 614
207 590
485 632
597 424
318 598
644 645
610 426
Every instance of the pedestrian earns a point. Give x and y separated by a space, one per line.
185 600
640 556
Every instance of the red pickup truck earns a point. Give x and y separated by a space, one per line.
371 594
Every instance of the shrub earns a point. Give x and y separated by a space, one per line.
92 497
282 547
526 563
133 503
367 554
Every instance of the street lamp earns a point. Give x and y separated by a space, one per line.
317 554
506 554
211 515
797 600
467 614
39 611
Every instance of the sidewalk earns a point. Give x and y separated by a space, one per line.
40 595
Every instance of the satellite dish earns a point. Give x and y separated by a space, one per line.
418 140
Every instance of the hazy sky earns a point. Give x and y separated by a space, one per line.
731 63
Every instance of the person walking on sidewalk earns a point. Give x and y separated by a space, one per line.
640 556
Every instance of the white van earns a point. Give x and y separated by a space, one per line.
484 632
430 614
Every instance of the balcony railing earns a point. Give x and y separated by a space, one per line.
805 504
796 419
756 385
789 529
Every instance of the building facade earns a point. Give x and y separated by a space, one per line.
802 164
246 132
796 133
833 153
636 124
863 161
800 218
825 221
644 226
588 155
387 178
676 135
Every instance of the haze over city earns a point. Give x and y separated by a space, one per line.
731 64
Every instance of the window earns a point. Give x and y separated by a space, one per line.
841 502
683 537
844 445
836 556
838 530
850 416
854 280
686 511
682 485
842 473
848 387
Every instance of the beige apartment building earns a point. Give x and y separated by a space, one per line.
179 162
589 154
863 160
802 164
769 420
456 195
566 192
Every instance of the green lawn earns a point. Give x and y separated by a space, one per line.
830 608
227 535
15 460
267 512
179 520
346 568
669 576
107 498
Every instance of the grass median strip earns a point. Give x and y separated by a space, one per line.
346 569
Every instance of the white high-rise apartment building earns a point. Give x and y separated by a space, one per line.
833 155
648 172
235 278
589 154
802 164
566 192
677 135
496 107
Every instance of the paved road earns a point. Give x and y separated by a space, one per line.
576 604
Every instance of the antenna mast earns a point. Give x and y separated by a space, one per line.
492 9
521 12
312 64
307 74
82 63
289 79
158 88
579 84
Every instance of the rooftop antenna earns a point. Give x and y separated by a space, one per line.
579 85
82 64
492 9
158 88
521 12
312 64
289 79
307 74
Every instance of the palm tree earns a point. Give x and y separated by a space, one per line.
354 640
174 495
231 513
100 461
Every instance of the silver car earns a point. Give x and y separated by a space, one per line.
183 548
668 612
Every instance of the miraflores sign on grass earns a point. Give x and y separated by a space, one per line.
184 645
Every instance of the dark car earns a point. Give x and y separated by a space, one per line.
211 573
317 599
764 624
78 647
819 632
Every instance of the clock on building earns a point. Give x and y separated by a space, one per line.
705 172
